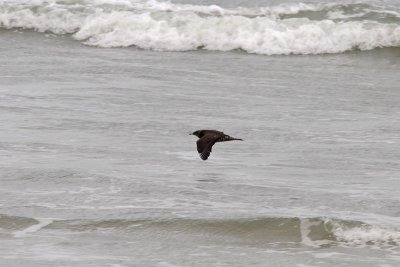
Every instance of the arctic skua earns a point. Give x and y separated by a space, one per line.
207 138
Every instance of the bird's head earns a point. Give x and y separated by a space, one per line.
198 133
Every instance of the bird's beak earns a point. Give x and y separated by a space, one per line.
190 134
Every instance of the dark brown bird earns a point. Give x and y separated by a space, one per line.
207 138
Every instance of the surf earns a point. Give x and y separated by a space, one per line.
163 26
314 231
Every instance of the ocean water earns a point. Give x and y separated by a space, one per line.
97 100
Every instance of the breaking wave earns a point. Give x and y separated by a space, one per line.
318 231
163 26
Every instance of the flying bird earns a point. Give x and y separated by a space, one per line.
207 138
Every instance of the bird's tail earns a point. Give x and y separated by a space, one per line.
228 138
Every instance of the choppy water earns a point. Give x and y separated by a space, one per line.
97 167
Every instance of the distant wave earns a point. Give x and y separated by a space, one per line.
163 26
318 231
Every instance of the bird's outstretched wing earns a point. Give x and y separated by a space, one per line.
204 145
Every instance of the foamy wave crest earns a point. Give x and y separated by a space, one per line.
163 26
364 234
347 233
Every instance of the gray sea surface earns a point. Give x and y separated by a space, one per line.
97 167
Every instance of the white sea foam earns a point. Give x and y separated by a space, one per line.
321 231
173 27
34 228
367 235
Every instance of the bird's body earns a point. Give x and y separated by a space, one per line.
207 138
